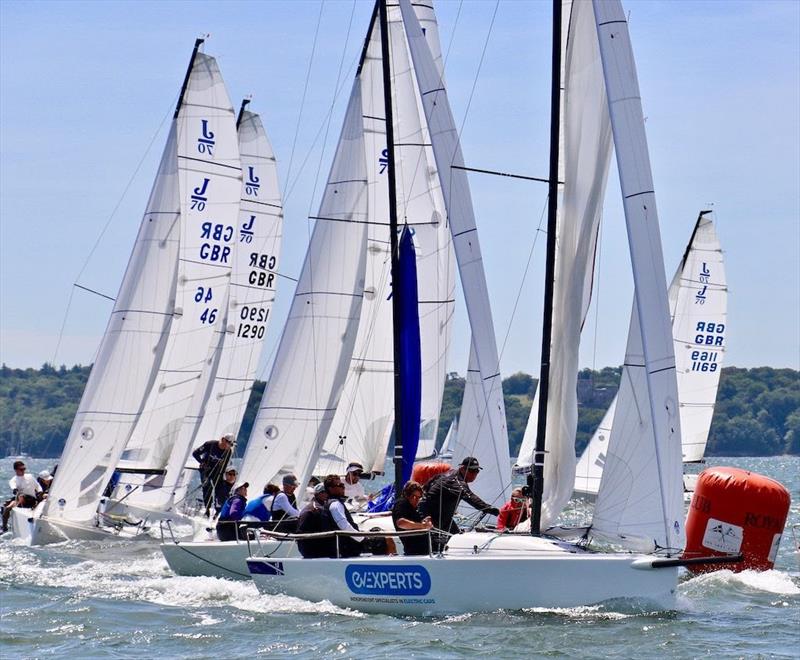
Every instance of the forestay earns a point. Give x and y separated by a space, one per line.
363 421
584 159
177 248
221 397
460 216
640 497
317 342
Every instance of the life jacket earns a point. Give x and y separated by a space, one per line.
257 508
225 513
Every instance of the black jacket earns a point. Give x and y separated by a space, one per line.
441 496
212 457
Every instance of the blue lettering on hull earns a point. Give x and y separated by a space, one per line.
388 580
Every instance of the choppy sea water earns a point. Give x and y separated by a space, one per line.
91 599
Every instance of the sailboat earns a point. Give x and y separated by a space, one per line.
220 397
641 510
698 298
155 345
329 397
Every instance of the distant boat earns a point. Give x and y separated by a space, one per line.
164 320
698 299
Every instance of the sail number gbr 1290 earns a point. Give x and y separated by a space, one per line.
252 322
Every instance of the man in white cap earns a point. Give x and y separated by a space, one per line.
353 488
213 457
45 480
232 512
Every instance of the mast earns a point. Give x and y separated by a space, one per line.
390 171
197 43
536 478
245 103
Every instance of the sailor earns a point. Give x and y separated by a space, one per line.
338 517
353 488
280 507
45 480
26 491
513 512
256 509
443 493
312 521
223 490
406 517
232 512
213 457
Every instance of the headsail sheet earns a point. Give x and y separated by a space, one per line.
640 495
199 171
585 156
461 218
317 342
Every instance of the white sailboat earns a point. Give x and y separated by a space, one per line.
698 299
218 404
158 336
482 571
329 401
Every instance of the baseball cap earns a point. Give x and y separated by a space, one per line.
45 474
290 480
471 463
229 437
319 488
355 467
240 484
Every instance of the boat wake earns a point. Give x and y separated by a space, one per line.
745 583
141 576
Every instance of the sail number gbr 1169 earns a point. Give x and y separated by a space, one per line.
253 322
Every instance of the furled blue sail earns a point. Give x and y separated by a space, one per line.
410 366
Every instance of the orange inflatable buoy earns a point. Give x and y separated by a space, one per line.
424 472
735 511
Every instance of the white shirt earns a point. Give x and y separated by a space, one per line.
354 491
25 485
337 513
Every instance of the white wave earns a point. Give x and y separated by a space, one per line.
146 579
774 582
583 612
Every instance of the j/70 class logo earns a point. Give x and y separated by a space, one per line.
388 580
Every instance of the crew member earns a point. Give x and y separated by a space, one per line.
232 512
353 488
513 512
406 517
443 493
213 457
312 521
26 491
223 490
45 480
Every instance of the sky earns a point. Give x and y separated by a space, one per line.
87 90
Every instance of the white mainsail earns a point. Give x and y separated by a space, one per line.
363 422
583 167
495 482
698 303
314 352
199 171
209 171
221 397
640 497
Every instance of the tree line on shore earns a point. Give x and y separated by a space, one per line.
757 411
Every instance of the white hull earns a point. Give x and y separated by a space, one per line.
515 572
34 529
221 559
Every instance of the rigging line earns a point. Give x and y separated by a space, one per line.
108 223
305 91
597 298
